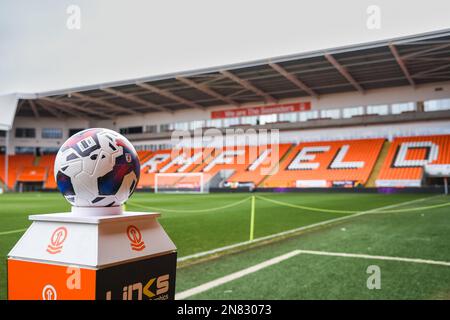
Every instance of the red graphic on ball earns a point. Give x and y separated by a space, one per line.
57 240
135 236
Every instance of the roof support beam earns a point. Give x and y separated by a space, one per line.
433 70
247 85
402 65
103 103
300 84
49 110
19 105
205 89
424 51
343 71
34 108
64 111
169 95
137 100
76 107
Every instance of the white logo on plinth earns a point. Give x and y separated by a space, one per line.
49 293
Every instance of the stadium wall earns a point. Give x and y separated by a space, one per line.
387 131
331 101
39 124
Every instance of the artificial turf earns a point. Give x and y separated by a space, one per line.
198 223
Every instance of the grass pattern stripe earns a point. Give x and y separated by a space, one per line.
234 204
236 275
349 211
239 274
295 230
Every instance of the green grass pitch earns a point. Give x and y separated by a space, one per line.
198 223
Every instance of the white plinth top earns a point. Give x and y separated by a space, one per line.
92 241
69 217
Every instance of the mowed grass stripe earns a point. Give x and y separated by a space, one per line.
273 261
387 237
296 230
236 275
193 232
207 210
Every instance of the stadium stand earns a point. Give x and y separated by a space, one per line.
47 162
143 155
407 158
255 170
16 164
344 163
326 164
168 161
32 174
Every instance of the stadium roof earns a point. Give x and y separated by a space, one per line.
406 61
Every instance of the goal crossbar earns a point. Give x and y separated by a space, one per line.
179 182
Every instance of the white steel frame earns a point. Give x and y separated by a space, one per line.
182 175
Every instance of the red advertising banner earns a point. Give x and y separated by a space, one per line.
257 111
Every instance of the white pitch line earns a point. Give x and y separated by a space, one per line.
280 234
236 275
239 274
368 256
11 232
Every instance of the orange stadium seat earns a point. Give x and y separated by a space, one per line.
143 155
169 161
32 174
327 164
310 164
260 162
408 156
16 164
238 160
47 161
228 158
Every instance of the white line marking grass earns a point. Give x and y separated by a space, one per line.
12 231
284 233
239 274
368 256
234 276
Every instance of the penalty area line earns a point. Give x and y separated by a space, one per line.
239 274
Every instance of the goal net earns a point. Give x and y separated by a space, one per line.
181 182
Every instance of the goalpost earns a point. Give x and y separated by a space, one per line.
194 182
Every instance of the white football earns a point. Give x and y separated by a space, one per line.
97 168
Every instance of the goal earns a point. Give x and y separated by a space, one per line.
181 183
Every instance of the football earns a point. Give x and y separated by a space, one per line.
97 168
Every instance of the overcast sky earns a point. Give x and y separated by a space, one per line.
121 40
